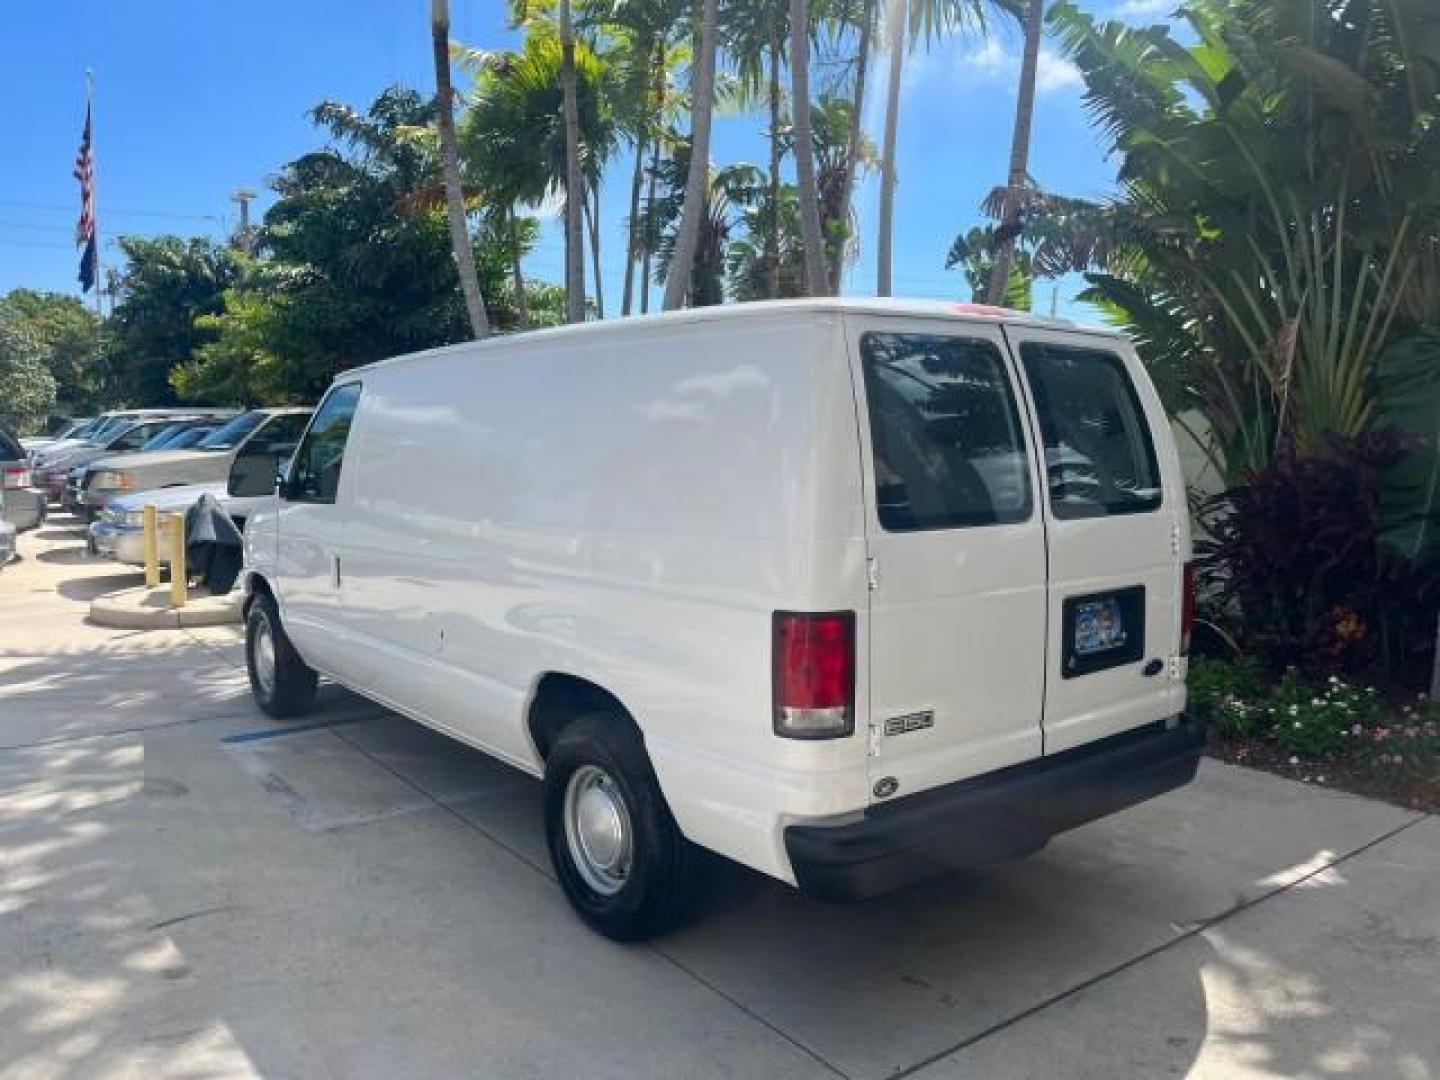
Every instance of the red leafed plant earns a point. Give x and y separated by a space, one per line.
1291 560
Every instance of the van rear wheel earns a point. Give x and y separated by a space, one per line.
622 861
282 684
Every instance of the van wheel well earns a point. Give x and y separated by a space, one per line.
561 699
258 587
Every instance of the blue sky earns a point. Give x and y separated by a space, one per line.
194 100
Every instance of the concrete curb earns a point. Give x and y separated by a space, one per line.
149 609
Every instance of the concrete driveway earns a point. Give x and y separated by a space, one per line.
188 890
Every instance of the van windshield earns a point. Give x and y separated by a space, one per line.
945 433
1098 453
231 435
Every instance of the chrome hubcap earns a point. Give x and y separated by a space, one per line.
264 656
597 829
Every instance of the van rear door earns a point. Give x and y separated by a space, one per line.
956 540
1113 500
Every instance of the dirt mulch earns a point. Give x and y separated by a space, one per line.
1412 791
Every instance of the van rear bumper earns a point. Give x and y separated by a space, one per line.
1000 815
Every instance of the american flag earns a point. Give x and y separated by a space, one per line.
85 227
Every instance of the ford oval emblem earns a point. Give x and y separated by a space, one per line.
886 786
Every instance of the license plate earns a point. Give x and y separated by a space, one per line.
1099 627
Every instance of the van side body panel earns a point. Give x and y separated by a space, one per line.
630 510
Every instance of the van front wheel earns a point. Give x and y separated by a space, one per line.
617 852
283 684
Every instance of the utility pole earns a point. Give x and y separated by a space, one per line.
244 238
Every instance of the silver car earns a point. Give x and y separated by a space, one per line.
7 542
21 504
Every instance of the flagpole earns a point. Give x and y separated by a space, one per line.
95 224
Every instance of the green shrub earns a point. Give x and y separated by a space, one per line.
1319 719
1228 694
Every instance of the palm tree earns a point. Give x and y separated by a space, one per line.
756 32
857 119
905 22
895 41
645 57
574 194
450 162
513 138
701 109
1019 176
816 281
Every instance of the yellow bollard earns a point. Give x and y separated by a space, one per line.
178 583
152 548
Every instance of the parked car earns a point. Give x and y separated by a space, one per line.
108 424
268 431
174 436
7 542
71 429
653 562
51 476
119 531
21 504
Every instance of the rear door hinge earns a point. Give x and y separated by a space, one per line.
1175 540
877 732
872 573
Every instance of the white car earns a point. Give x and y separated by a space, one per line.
7 542
809 584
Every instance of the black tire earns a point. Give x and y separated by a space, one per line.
291 690
659 886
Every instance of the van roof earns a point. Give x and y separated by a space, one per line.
945 309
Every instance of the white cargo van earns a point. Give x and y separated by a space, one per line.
852 592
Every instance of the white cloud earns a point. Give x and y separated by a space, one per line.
1144 9
992 60
1055 72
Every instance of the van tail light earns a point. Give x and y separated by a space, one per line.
14 476
814 674
1187 609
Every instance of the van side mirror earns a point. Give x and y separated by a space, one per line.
253 474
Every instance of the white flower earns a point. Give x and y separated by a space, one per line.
1294 760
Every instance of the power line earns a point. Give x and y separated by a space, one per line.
111 210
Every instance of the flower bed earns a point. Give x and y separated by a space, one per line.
1331 732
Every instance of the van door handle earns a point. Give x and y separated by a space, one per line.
335 571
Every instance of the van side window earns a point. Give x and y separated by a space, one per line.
315 474
945 433
1099 456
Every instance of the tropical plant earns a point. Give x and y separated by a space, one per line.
166 284
513 137
1278 221
1295 551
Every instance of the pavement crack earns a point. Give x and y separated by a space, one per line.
165 924
1194 930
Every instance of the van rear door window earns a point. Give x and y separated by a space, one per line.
945 433
1099 457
